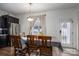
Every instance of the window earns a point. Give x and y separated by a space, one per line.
37 27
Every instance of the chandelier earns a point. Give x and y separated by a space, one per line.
30 18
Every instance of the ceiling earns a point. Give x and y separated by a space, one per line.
20 8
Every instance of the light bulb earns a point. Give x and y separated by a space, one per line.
30 19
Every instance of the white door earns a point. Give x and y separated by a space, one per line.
66 34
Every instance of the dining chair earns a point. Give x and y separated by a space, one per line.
17 45
45 46
33 48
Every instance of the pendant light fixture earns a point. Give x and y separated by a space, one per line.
30 18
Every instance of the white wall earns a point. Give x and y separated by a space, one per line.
6 13
53 19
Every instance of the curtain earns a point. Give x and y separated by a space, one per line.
43 23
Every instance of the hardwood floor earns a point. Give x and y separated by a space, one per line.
8 51
5 51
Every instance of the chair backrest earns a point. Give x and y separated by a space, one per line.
31 39
16 41
45 40
46 47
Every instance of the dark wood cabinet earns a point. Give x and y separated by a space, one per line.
5 21
10 19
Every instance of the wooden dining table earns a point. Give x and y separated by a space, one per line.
56 44
49 41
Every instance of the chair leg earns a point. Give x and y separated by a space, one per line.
14 52
28 51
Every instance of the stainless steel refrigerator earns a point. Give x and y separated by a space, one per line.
14 29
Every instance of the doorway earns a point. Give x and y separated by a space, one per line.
66 34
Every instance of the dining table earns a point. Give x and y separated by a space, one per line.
38 43
52 43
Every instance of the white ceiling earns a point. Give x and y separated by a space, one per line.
20 8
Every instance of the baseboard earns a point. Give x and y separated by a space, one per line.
71 48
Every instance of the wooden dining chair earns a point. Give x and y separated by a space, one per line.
45 46
32 40
17 45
